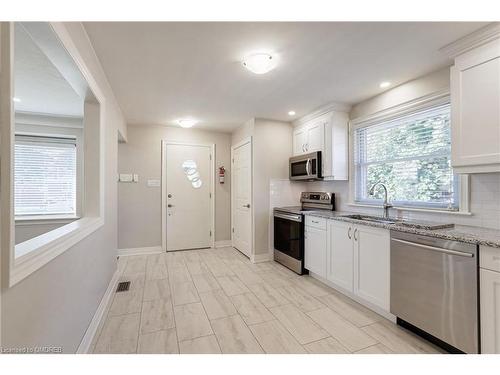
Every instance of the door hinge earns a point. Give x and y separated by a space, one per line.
210 195
210 156
233 229
210 233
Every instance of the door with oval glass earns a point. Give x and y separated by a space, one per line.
188 196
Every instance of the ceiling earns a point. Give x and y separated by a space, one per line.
39 83
164 71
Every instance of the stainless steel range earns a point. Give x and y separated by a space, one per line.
289 228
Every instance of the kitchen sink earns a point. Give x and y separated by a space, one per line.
376 219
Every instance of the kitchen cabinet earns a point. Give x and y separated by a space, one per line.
315 246
475 110
340 255
358 261
299 141
489 279
372 265
328 133
308 138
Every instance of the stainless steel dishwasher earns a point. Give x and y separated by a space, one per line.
434 288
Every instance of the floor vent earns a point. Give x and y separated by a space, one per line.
123 286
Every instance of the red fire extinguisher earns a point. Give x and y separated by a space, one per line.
222 172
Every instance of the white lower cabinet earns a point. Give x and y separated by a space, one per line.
340 254
372 265
358 261
490 311
315 250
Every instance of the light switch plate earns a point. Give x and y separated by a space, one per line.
125 177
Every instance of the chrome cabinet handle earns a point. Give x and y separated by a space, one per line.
315 222
246 205
170 205
349 233
355 231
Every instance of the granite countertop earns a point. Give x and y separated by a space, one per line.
462 233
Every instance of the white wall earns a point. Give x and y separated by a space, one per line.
55 304
139 206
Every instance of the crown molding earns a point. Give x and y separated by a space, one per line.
477 38
320 111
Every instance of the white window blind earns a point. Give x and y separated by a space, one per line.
44 176
411 156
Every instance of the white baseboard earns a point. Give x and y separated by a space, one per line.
224 243
140 251
259 258
91 331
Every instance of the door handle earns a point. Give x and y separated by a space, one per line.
308 163
349 233
170 205
355 231
246 205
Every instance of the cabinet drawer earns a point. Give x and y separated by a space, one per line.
316 222
489 258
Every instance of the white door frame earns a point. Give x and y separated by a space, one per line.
233 147
164 144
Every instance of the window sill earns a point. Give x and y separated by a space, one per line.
33 254
427 210
45 219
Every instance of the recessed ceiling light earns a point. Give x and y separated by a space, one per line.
259 63
17 100
384 84
187 123
291 113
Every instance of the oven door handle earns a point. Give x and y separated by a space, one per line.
433 248
297 218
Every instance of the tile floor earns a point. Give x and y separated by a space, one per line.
216 301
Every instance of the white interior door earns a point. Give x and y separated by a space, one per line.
242 197
188 197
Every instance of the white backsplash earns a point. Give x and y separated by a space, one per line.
484 205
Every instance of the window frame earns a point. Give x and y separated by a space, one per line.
36 252
408 108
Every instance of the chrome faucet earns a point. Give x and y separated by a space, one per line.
386 204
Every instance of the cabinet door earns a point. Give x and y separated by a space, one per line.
315 251
372 265
475 98
315 137
299 141
490 311
339 254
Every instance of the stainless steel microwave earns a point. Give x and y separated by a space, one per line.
306 167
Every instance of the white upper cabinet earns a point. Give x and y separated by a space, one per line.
299 141
475 109
328 133
316 136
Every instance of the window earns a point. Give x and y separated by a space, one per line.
45 176
411 156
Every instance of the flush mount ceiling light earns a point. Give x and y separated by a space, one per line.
291 113
16 100
187 123
384 84
259 63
